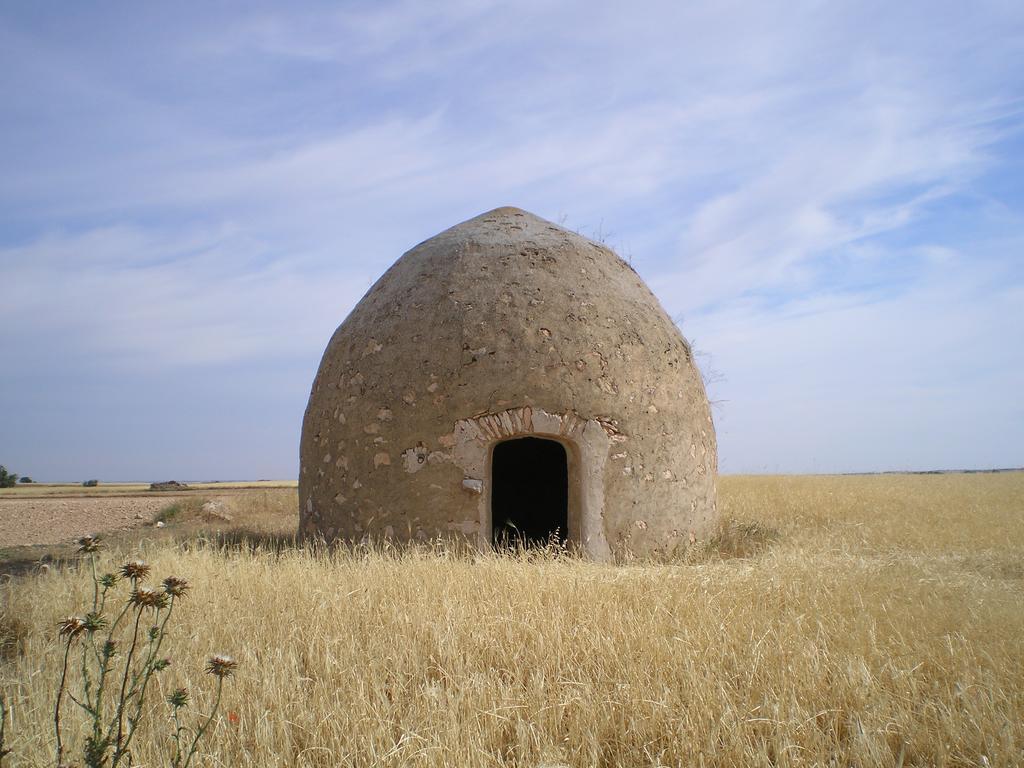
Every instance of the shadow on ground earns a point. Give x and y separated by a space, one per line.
245 540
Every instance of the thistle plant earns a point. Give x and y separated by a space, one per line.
118 646
219 666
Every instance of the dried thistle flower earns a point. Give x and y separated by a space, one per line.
71 627
89 544
136 570
147 597
179 698
161 664
221 666
109 649
176 587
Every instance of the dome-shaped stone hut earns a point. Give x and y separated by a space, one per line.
509 379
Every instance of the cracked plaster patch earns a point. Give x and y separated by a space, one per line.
414 459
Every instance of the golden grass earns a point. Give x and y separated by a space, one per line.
869 621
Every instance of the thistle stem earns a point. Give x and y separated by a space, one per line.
147 673
177 739
3 729
95 584
60 697
118 747
206 725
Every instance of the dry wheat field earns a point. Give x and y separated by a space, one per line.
835 621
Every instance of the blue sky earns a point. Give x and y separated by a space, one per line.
828 197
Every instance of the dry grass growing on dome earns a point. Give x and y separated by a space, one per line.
869 621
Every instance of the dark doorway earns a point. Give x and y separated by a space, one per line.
529 493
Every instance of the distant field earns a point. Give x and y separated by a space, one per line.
28 490
834 621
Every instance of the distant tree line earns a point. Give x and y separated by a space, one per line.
8 479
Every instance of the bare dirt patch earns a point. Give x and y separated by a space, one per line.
35 521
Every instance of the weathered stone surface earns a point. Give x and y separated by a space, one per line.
508 325
217 510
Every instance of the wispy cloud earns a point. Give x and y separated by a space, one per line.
136 299
794 180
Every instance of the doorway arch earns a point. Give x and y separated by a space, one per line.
586 443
